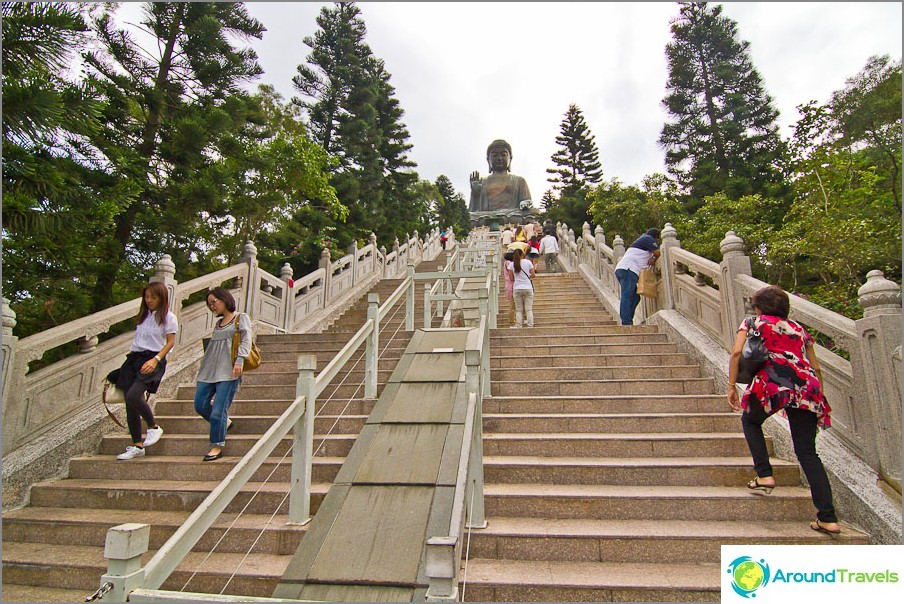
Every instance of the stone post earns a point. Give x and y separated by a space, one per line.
165 273
475 383
327 265
383 253
125 544
734 262
353 250
441 562
286 273
303 443
600 239
409 299
372 240
618 249
249 255
669 237
398 257
7 357
880 340
372 352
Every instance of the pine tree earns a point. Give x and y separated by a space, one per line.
168 112
354 115
724 135
578 159
453 210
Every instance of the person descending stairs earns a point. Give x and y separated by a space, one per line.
613 471
53 549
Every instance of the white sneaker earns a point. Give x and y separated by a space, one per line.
131 453
153 436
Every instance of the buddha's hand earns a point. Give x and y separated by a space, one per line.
475 181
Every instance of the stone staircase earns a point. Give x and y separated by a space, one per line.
613 471
53 548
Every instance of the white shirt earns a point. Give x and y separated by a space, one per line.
522 279
507 236
549 245
149 335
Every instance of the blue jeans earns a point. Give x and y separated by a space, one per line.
629 298
212 401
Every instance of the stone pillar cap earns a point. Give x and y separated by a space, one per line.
732 245
879 295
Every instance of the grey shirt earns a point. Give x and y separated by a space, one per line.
216 366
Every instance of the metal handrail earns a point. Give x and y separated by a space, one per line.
171 553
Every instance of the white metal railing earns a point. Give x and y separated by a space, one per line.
444 553
299 417
35 403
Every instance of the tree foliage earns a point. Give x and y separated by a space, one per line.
723 136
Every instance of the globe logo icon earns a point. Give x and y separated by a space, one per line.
748 575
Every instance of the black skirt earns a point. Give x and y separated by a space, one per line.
130 372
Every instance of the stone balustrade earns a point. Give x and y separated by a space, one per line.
865 391
38 403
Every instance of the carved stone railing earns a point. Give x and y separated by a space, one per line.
865 391
37 403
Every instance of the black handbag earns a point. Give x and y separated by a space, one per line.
754 354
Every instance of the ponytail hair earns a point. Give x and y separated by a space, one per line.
518 255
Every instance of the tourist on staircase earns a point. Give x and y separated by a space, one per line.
790 381
533 253
523 288
145 365
642 253
220 374
549 249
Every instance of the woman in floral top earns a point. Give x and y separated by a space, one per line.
789 382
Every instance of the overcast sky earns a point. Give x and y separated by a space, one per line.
467 73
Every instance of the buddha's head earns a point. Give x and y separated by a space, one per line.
499 156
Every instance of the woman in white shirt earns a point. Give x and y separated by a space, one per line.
522 271
145 365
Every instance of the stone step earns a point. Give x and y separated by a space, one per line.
653 403
538 349
639 471
273 408
256 424
589 360
624 372
619 445
651 503
546 320
551 581
29 593
625 423
578 338
355 373
610 387
387 362
327 445
190 467
391 348
84 526
80 567
601 330
166 495
285 392
673 541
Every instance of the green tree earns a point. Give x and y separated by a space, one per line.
577 160
452 209
166 116
724 136
57 198
625 210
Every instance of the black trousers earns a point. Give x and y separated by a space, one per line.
137 386
803 435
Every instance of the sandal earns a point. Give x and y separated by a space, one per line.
817 526
754 485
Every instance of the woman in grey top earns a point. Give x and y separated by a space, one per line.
220 376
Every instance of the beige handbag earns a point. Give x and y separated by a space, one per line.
647 285
111 395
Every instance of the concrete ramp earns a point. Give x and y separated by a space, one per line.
366 543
